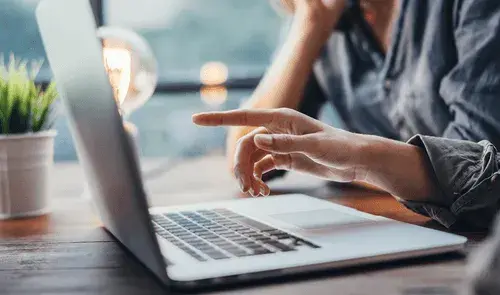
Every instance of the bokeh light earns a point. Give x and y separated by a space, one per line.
213 95
214 73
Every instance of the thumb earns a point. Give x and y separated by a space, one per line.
283 143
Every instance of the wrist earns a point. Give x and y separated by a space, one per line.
300 33
308 32
318 21
369 151
399 168
304 45
377 153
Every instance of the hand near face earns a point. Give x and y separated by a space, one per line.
320 14
287 140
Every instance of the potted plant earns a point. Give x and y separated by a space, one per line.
26 140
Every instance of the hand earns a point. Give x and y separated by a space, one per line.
318 15
288 140
233 135
284 82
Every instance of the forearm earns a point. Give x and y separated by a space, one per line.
399 168
284 82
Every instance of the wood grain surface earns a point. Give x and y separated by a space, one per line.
67 252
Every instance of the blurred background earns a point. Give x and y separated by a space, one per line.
189 38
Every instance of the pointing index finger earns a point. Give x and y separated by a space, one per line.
253 118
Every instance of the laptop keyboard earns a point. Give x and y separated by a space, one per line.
223 234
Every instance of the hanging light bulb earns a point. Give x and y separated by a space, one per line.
131 67
133 75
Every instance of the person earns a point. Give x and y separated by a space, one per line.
454 181
394 69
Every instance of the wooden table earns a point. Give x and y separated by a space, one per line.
67 252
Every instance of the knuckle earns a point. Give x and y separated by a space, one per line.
261 130
244 119
240 141
286 118
286 111
314 139
236 169
322 150
248 137
244 144
257 170
287 140
289 161
284 162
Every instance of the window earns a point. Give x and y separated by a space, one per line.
184 35
19 32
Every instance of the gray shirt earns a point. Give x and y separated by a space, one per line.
441 79
438 87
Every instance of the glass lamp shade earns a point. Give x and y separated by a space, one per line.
131 66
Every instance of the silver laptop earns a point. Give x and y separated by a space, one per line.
212 243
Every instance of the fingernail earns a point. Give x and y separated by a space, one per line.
245 188
195 117
264 139
262 191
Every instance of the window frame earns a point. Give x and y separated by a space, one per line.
233 83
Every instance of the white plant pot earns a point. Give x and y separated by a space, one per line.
26 162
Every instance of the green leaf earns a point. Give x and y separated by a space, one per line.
24 107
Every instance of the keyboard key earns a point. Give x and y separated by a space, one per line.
253 246
240 238
255 224
264 240
223 244
244 230
241 253
213 238
171 215
216 255
273 232
231 236
261 251
280 246
255 235
282 236
223 211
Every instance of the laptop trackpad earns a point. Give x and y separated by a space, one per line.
319 219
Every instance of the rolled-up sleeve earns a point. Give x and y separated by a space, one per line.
466 174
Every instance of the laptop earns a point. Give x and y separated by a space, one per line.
213 243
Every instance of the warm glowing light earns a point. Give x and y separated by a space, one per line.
131 67
118 63
213 73
213 95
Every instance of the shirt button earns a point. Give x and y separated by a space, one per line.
387 85
406 134
364 45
